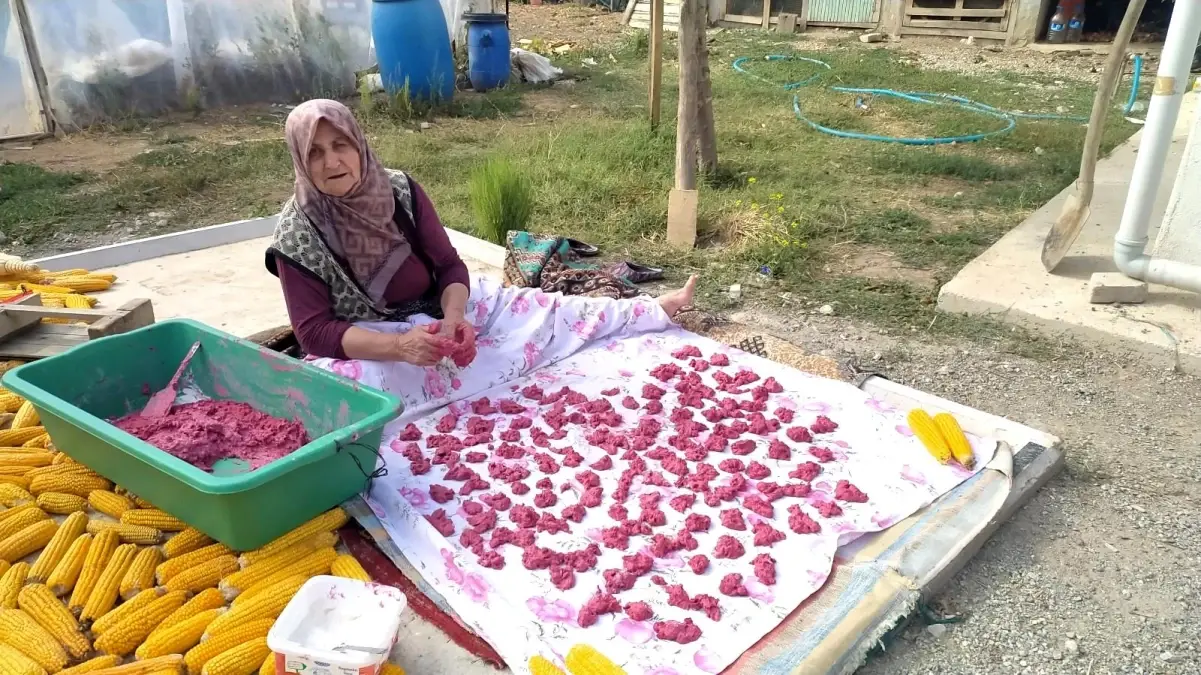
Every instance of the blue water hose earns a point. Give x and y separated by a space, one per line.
1134 82
1007 118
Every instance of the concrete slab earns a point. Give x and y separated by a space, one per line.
1008 281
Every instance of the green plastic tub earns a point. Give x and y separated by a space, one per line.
76 392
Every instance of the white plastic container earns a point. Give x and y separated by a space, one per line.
336 626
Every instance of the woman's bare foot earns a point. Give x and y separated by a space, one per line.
676 300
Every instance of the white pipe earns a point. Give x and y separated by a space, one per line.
1171 83
177 23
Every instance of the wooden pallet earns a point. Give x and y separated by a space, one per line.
982 18
23 334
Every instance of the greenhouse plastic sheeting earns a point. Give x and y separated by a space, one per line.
19 108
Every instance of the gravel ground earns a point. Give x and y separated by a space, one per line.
1101 572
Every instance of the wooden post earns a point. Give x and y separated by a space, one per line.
682 202
656 49
40 82
705 124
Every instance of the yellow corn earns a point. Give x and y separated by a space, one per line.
953 434
927 432
66 572
19 520
130 534
104 595
82 284
109 503
14 662
15 437
241 580
75 272
76 301
186 541
317 562
12 495
27 540
11 583
156 518
241 660
61 503
10 402
585 660
268 667
295 551
141 503
72 483
326 522
42 441
19 630
124 636
175 565
42 289
91 665
204 575
346 566
209 598
56 548
390 668
8 365
5 566
28 457
125 610
99 553
15 511
540 666
39 603
171 663
19 481
62 458
265 605
212 645
62 468
178 638
141 572
15 470
26 417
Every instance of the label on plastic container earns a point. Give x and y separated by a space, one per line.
303 665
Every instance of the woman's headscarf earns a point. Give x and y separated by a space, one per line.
358 226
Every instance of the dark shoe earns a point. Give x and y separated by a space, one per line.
635 273
583 250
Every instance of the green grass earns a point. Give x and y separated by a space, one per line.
785 198
501 200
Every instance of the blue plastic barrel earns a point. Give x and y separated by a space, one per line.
412 46
488 59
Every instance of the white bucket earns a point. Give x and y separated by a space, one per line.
336 626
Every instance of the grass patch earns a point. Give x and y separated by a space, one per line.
501 200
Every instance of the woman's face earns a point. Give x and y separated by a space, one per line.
333 161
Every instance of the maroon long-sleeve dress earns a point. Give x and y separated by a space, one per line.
434 265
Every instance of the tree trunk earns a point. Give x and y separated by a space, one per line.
687 118
705 127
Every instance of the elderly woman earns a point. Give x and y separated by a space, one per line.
375 290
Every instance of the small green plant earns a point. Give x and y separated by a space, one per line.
501 199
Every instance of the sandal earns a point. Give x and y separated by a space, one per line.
583 250
635 273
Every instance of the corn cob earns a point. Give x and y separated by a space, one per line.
75 272
209 598
62 458
5 566
953 434
204 575
63 469
19 481
186 541
8 365
347 567
42 441
130 534
390 668
11 583
296 550
82 284
125 636
17 510
178 638
156 518
91 665
75 301
29 457
141 573
15 437
56 548
241 660
43 289
14 662
171 663
211 646
268 667
175 565
104 595
243 579
107 276
27 540
72 483
326 522
20 630
317 562
927 432
19 520
265 605
10 402
109 503
39 603
61 503
141 503
12 495
585 660
125 610
66 572
26 417
99 553
8 470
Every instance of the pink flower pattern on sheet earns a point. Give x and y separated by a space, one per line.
435 384
706 660
472 584
634 632
349 369
552 612
418 499
519 306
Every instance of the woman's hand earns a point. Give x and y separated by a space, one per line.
423 347
460 331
